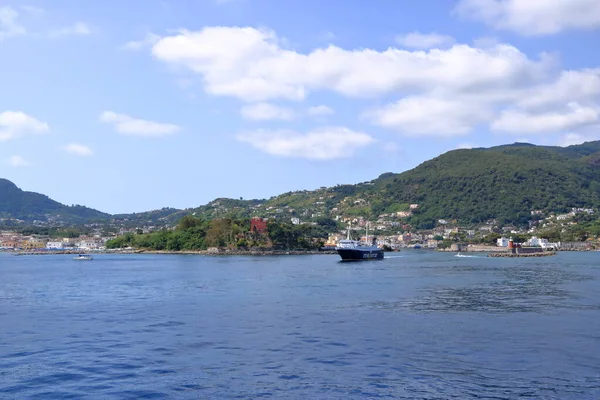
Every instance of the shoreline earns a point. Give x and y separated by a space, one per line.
180 252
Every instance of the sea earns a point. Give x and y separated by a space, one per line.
416 325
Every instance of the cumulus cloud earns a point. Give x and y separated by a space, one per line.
531 17
128 125
319 144
571 86
441 92
77 29
148 41
429 116
267 111
416 40
575 115
571 139
17 161
14 124
9 24
320 111
78 150
253 65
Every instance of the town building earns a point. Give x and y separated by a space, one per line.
55 245
258 225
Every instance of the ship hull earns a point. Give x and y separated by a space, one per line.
360 254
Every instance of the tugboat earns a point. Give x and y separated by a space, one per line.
354 250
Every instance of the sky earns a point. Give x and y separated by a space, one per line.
129 106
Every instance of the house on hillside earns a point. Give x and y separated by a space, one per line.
258 225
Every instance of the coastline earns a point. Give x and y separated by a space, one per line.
180 252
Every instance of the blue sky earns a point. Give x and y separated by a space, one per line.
138 105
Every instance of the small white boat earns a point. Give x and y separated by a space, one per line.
83 257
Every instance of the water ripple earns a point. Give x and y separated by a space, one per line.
423 326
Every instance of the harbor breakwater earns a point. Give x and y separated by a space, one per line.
516 255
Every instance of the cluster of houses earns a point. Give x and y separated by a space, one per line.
14 241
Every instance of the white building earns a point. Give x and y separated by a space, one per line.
502 242
537 242
543 243
295 221
55 245
87 244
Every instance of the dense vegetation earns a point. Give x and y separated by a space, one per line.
199 234
503 183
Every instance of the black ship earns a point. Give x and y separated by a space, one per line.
353 250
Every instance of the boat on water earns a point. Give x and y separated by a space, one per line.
83 257
354 250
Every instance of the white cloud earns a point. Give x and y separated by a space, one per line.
253 65
127 125
320 111
445 92
571 139
16 123
78 150
148 41
416 40
429 116
319 144
571 86
514 121
533 17
18 161
77 29
9 26
267 111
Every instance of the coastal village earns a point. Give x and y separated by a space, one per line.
388 231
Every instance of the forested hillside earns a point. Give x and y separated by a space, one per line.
29 206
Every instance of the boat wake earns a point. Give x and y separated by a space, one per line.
465 256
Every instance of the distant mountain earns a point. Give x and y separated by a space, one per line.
29 206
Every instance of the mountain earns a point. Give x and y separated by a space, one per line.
29 206
505 183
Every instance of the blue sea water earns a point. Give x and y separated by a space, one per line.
417 325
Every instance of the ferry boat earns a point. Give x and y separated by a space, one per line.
354 250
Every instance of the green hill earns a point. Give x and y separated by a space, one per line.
28 206
504 183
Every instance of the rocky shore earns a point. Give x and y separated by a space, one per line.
511 255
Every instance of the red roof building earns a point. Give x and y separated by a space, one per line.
258 225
